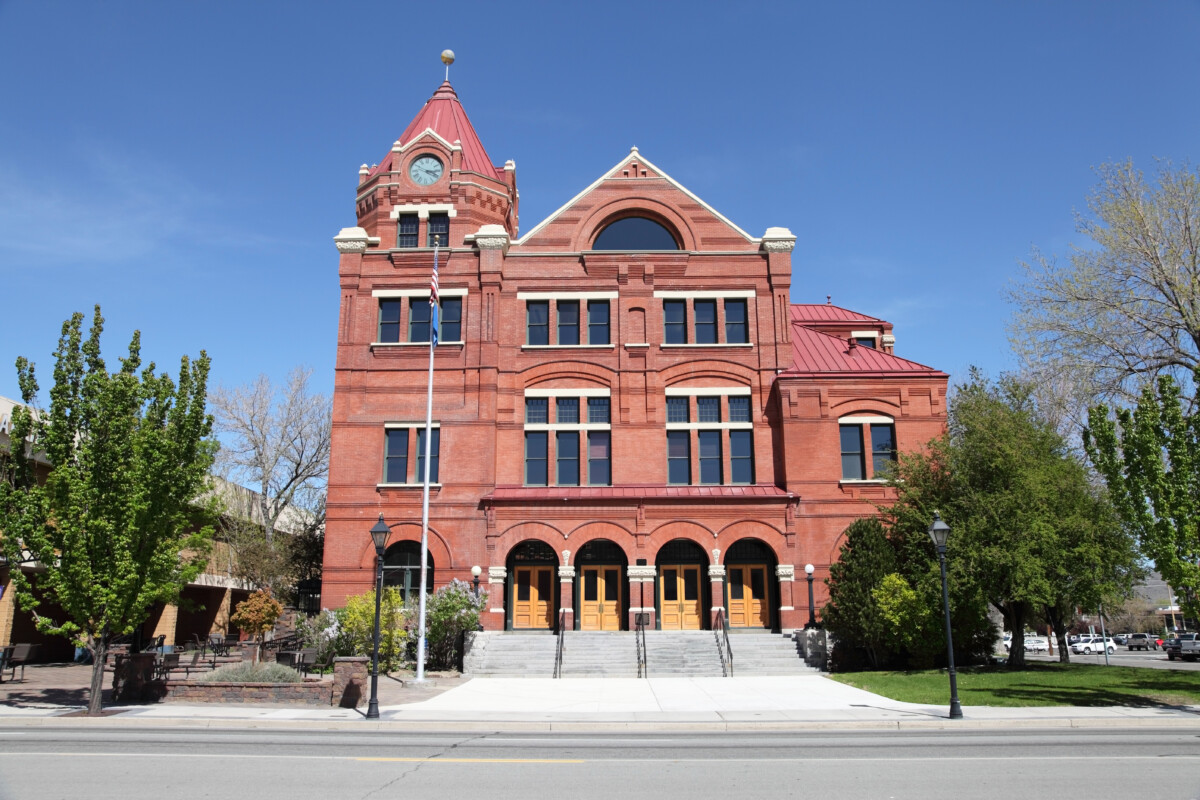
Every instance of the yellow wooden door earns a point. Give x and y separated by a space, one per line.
533 597
600 601
748 607
679 598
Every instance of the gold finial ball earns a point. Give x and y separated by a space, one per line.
447 57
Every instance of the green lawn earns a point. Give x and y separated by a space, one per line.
1039 684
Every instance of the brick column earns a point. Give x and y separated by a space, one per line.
221 621
8 609
165 626
493 620
786 573
566 596
641 595
716 576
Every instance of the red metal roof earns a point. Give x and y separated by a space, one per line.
444 114
816 353
631 492
825 312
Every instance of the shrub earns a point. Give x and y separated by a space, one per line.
356 627
320 631
449 612
253 673
257 614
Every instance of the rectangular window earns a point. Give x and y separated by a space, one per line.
852 453
566 411
418 319
435 444
674 322
708 409
439 226
537 410
599 458
741 457
737 330
537 322
598 322
536 443
389 321
739 409
706 321
395 456
866 341
598 411
883 450
566 446
568 322
710 456
677 409
679 457
450 320
406 230
737 587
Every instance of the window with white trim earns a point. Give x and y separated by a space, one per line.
404 454
721 436
404 316
568 437
578 319
855 431
706 318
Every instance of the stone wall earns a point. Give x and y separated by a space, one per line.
312 693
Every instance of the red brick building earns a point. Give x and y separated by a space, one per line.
630 414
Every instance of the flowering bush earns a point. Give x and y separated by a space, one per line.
356 627
449 612
320 631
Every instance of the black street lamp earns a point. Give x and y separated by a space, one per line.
812 618
379 536
939 531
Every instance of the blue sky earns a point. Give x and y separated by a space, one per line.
187 165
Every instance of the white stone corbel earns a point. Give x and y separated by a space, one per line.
351 240
778 240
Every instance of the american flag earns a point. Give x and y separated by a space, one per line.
433 298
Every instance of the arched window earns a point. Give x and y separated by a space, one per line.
402 568
635 233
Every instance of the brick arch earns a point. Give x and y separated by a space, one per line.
522 531
726 372
753 529
410 532
865 406
681 529
561 370
600 529
604 215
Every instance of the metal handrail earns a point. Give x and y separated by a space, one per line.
562 629
721 634
639 636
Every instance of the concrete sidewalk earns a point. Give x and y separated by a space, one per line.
696 704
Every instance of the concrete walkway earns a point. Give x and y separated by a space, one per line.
450 702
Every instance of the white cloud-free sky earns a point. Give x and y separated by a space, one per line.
187 165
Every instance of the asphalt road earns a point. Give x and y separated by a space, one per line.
75 762
1123 657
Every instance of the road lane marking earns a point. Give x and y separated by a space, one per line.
474 760
435 759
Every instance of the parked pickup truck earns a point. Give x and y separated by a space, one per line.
1183 645
1141 641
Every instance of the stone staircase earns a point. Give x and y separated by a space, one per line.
597 654
764 653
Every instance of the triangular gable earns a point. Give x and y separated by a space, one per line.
634 155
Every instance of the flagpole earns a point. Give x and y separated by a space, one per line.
433 323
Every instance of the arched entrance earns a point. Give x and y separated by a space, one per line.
532 586
402 569
749 599
602 600
683 595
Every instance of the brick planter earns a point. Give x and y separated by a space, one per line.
310 692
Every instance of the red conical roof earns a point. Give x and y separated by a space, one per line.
444 115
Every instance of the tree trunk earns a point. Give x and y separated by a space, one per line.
1015 613
1058 623
99 649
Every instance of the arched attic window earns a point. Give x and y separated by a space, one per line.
635 233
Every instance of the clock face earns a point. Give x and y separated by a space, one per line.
425 170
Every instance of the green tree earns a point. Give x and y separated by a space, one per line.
1030 532
356 627
852 614
1150 459
114 527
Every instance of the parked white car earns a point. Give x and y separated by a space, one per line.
1089 644
1033 644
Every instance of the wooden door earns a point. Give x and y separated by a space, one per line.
679 597
533 597
748 605
600 599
